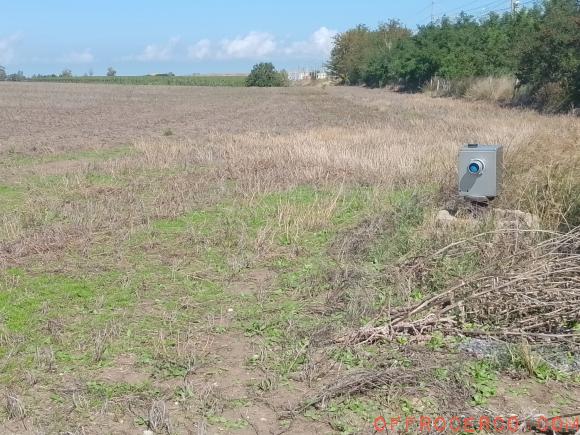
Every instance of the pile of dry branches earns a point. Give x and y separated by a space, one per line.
537 297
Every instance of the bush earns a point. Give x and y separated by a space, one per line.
550 61
540 46
265 75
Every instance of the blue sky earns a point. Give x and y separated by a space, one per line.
193 37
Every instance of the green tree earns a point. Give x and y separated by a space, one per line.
66 73
550 62
2 73
350 54
385 42
111 72
539 45
265 75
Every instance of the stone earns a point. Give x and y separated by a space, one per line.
444 217
515 219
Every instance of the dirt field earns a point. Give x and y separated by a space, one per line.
204 260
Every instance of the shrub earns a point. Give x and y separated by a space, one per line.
265 75
550 62
538 45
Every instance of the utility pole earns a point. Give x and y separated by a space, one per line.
514 6
433 10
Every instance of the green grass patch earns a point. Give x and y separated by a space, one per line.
194 80
21 304
62 313
100 391
12 158
406 213
11 198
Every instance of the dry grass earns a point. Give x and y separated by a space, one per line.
304 136
494 89
173 278
500 90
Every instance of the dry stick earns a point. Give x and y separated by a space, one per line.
479 332
440 295
482 293
539 273
427 303
469 239
355 383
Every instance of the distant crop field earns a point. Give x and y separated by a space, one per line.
210 80
270 260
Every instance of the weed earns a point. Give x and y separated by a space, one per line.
130 257
226 423
346 357
158 419
484 380
14 407
167 369
351 414
102 391
437 341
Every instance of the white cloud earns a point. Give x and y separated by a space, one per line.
200 50
319 44
7 45
85 56
253 45
159 52
323 40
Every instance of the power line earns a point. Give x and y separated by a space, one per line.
461 8
478 10
432 9
487 5
499 11
423 10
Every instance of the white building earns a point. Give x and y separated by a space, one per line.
307 75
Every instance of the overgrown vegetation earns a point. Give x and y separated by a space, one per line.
219 275
539 47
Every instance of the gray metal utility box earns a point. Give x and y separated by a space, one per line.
480 171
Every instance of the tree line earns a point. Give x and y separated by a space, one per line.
538 46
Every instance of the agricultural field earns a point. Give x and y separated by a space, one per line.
194 260
211 80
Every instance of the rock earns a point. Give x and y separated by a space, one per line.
503 218
445 218
515 219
